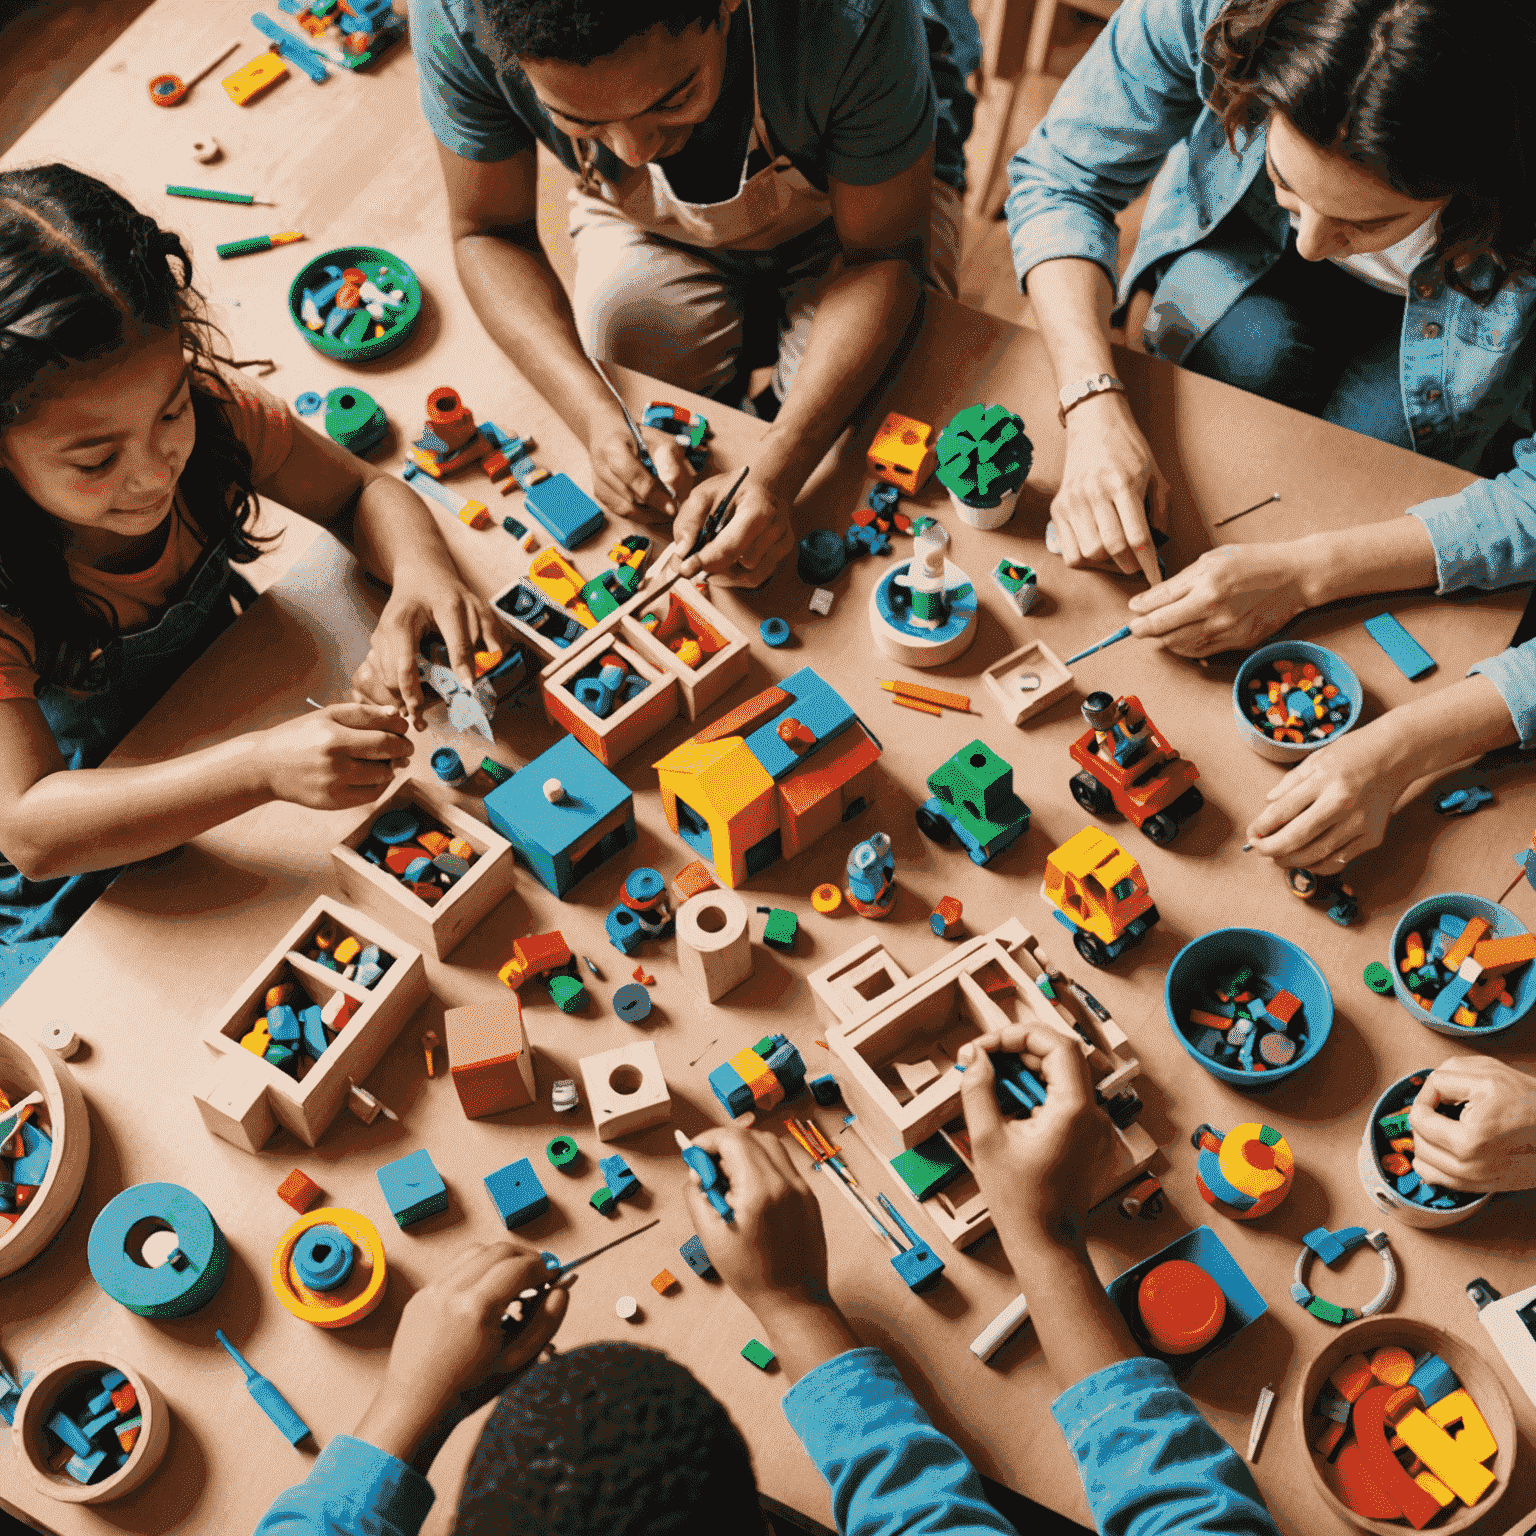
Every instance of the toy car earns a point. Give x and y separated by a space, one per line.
1099 894
1462 802
1128 766
972 798
1338 899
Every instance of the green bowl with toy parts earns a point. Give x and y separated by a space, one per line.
387 272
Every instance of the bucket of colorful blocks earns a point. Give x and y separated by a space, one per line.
1386 1156
1392 1379
355 303
90 1428
1291 698
45 1144
1461 965
1249 1006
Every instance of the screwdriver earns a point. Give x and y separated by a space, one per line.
533 1297
268 1398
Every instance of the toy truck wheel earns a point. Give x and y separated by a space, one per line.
934 827
1090 949
1161 828
1094 797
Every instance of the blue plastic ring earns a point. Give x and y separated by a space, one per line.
774 631
308 403
323 1258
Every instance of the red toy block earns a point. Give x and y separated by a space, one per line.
298 1190
1283 1006
1381 1467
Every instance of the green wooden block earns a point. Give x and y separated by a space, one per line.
569 995
781 928
602 1200
759 1354
1328 1312
928 1167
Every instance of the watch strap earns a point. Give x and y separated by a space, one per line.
1085 389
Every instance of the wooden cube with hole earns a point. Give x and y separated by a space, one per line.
895 1038
246 1096
626 1090
686 622
440 927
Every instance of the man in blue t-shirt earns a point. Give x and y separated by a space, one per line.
802 153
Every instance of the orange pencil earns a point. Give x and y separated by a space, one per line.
906 703
927 695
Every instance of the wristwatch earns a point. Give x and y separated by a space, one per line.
1085 389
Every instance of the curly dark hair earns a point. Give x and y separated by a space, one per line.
609 1440
1431 95
579 31
79 267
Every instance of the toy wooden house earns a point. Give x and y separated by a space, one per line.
769 778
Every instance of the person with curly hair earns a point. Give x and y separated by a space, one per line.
131 457
799 164
1342 218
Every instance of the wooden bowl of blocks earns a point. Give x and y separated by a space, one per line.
112 1439
1348 1474
27 1068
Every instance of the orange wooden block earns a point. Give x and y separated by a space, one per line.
1462 949
1400 1402
1355 1485
928 695
1402 1144
1392 1366
125 1398
298 1190
1502 955
663 1282
1397 1164
1353 1377
693 879
434 842
489 1057
1209 1020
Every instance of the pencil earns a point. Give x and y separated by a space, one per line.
918 704
208 195
255 243
926 694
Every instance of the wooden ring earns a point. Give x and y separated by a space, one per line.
353 1309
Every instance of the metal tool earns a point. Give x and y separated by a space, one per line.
719 517
1119 634
532 1298
1273 496
167 90
634 430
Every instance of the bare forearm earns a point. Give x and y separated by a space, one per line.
860 321
1072 300
1080 1330
1430 735
515 292
1393 556
95 818
393 531
804 1334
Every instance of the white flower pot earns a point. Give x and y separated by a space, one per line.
985 517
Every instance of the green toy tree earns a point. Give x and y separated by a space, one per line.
984 455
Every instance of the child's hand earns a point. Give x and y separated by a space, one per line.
1336 803
432 599
450 1353
1230 598
1031 1170
623 486
334 758
774 1253
1492 1147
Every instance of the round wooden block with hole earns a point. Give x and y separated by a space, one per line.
1472 1370
26 1067
36 1405
357 1296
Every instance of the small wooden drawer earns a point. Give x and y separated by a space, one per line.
437 929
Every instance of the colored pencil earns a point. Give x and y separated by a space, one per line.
917 704
926 694
1119 634
255 243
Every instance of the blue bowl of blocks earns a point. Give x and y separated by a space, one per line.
1262 667
1436 984
1249 1006
1386 1152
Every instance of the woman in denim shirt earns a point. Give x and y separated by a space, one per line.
1343 221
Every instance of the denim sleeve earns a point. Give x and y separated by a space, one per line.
461 97
1485 537
1150 1463
888 1468
353 1489
1132 98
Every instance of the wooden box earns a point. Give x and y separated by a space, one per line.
246 1097
489 1057
892 1030
630 725
435 929
1004 681
682 604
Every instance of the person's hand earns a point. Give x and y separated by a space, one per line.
333 758
757 536
1336 803
1108 482
450 1353
1031 1170
623 486
432 598
774 1253
1229 599
1492 1147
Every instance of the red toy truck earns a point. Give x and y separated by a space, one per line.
1128 766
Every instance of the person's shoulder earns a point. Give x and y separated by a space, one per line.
436 23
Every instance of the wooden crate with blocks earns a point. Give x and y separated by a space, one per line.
437 929
246 1097
612 737
895 1039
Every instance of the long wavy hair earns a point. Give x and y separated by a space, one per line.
80 266
1431 95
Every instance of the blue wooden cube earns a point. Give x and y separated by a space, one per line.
568 514
517 1193
413 1188
618 1176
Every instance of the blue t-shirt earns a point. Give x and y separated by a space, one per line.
855 89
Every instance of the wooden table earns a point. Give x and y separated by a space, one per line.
142 971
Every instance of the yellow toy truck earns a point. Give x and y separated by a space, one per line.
1099 894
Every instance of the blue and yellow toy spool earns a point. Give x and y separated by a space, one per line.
189 1279
357 1296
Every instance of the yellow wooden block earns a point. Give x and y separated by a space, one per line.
461 849
1352 1377
434 842
1463 1420
259 1039
249 81
348 950
750 1068
1237 1170
1435 1489
1462 1473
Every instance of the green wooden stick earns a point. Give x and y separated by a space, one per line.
208 195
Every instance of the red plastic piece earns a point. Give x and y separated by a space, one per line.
1377 1462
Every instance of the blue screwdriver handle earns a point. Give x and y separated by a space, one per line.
267 1397
711 1180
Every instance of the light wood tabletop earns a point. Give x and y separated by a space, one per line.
351 161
